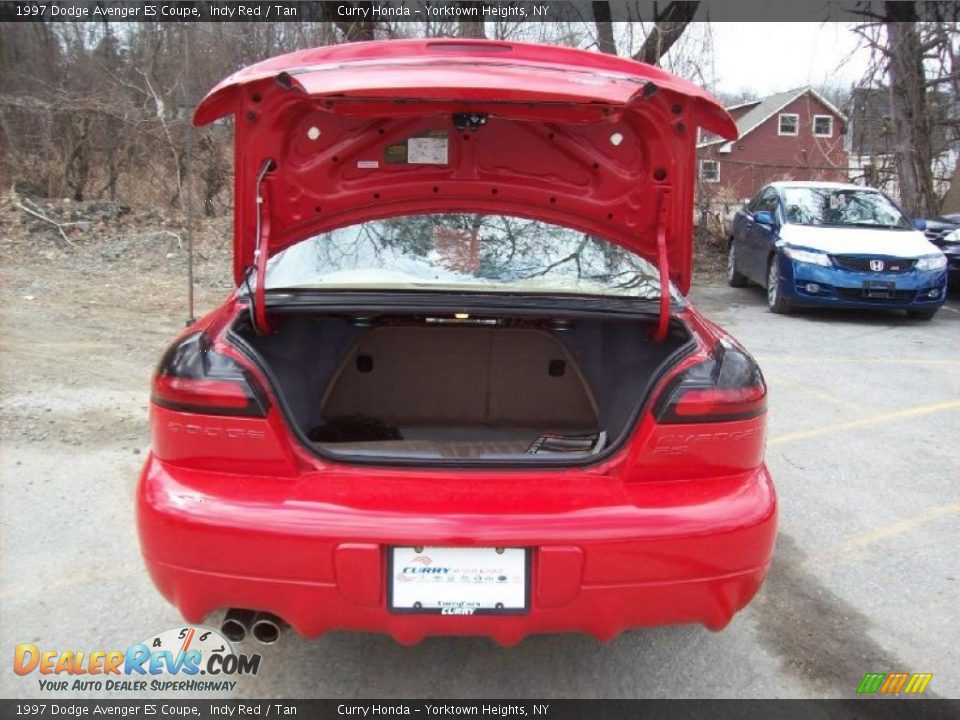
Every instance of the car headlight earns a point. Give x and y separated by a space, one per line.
932 262
807 256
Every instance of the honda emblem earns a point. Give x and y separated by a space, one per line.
876 265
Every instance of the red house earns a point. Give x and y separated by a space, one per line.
794 135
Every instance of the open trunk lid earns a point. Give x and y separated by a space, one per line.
347 133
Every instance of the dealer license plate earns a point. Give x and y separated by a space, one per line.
458 581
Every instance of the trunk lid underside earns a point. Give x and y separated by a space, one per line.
367 130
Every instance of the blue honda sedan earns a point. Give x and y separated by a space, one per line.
819 243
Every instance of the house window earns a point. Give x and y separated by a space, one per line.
789 124
822 126
710 171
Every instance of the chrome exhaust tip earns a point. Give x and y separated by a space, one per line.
266 628
236 624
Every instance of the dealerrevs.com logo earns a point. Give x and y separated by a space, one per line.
184 659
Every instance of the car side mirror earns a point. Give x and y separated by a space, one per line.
764 217
920 224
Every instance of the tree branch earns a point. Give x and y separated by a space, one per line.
667 29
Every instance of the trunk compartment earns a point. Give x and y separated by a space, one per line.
439 388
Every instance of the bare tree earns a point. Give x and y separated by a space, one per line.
667 29
359 30
668 26
917 62
606 43
909 115
472 28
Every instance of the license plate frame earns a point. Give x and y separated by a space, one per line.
448 598
880 289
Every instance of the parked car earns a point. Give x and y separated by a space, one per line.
458 390
820 244
944 232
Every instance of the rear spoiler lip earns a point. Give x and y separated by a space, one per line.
221 100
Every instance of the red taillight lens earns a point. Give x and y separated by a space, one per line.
726 386
186 391
193 378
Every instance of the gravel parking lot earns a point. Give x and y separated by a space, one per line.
864 420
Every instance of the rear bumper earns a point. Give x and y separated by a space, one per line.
628 558
845 288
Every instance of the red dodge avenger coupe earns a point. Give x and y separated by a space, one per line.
458 389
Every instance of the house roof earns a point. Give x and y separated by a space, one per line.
739 105
742 104
766 108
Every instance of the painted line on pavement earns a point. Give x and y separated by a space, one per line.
881 361
849 550
863 422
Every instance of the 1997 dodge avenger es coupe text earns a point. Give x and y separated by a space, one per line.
459 390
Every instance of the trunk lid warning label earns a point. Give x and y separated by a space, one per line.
427 149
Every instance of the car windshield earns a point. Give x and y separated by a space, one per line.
463 252
841 206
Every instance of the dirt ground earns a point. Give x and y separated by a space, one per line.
86 315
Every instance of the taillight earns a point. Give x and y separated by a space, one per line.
193 378
726 386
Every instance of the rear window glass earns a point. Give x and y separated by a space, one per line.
463 252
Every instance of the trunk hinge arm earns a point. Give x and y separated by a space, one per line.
258 309
663 322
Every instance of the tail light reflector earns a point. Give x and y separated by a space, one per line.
193 378
726 386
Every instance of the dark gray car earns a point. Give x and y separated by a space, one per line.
941 231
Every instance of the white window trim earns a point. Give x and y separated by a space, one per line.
704 177
780 117
813 126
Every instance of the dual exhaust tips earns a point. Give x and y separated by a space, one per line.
238 623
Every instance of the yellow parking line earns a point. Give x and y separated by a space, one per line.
808 389
872 420
848 549
859 360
